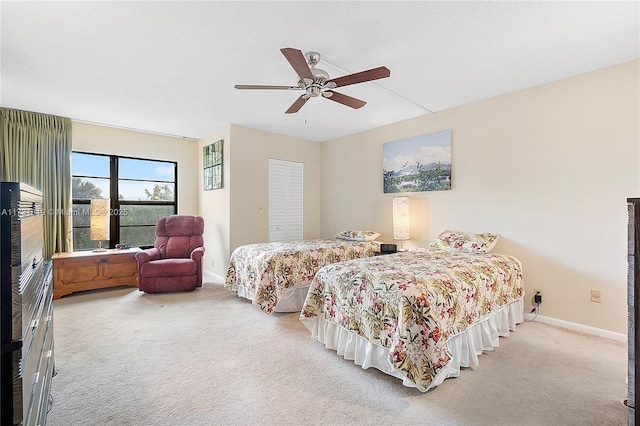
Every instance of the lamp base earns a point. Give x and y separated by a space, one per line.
400 248
99 249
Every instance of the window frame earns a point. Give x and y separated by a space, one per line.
212 159
119 205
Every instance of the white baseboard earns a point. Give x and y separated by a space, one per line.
215 277
578 327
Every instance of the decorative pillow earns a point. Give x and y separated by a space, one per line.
466 243
357 235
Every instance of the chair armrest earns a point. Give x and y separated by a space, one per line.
197 254
147 255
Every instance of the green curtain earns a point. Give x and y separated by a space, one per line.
36 150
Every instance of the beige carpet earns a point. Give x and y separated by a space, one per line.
207 358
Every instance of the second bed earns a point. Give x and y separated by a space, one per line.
276 276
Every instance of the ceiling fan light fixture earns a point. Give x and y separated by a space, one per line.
313 91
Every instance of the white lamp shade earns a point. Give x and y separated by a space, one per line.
400 218
99 223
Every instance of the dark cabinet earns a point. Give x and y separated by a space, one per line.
26 308
633 293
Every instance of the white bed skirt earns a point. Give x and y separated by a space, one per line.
291 301
465 347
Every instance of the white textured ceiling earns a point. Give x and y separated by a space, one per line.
170 67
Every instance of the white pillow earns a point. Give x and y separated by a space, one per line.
357 235
464 242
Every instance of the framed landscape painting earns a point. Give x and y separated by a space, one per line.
416 164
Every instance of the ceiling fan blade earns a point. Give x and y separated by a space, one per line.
255 86
298 62
344 99
295 107
362 76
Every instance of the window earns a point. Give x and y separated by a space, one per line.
146 191
212 164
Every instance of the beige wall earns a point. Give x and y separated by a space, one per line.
238 213
214 208
549 168
250 153
111 140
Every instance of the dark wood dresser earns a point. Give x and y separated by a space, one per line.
633 296
26 308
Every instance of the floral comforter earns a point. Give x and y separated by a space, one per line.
412 302
270 269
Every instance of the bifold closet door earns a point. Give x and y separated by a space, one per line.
286 200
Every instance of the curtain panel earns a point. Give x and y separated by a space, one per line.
36 149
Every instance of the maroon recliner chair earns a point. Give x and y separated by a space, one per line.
175 261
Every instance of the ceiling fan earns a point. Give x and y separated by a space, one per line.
316 82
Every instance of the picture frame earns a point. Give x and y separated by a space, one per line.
417 164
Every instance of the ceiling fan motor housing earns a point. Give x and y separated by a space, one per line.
320 76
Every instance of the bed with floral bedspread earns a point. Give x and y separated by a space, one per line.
399 313
276 276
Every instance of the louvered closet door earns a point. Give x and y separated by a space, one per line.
286 200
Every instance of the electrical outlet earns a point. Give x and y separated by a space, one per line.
213 263
595 295
537 296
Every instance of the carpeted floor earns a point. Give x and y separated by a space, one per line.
209 358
